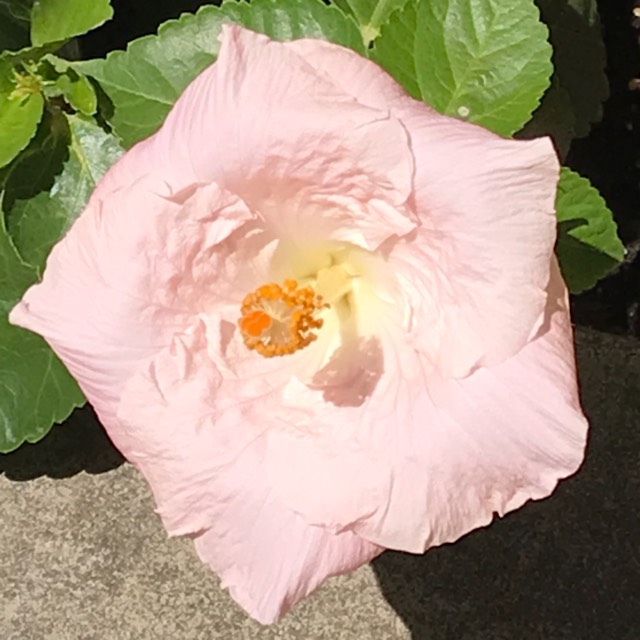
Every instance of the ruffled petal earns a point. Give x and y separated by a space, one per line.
476 270
204 459
130 273
293 144
449 453
271 111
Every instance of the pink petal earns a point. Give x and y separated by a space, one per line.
292 143
476 270
131 272
206 467
351 73
270 112
426 460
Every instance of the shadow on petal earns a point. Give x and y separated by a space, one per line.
352 373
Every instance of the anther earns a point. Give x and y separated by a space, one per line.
279 320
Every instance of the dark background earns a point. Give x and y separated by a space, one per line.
567 568
610 158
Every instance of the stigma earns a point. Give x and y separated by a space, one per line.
280 320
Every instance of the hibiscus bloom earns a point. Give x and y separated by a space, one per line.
320 318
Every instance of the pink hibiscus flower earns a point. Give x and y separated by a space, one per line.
320 318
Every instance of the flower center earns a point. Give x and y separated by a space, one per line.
279 320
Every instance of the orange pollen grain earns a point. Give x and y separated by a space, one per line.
277 320
255 322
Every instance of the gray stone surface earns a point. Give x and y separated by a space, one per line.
83 557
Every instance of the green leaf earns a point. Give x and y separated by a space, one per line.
35 169
394 49
19 10
579 61
372 14
483 60
24 60
579 83
14 33
91 154
20 113
486 61
12 36
343 5
57 20
35 388
78 92
36 224
67 82
588 246
554 117
144 81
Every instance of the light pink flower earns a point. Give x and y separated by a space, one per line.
441 387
